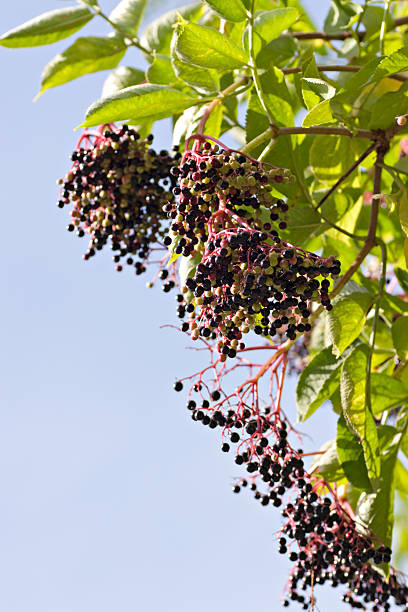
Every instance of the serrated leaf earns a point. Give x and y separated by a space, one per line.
127 16
319 115
317 382
402 276
345 321
376 510
47 28
351 456
86 55
387 107
277 52
161 71
277 96
203 46
329 157
399 332
141 101
122 77
355 410
158 34
401 478
202 79
395 62
387 392
233 10
320 88
270 24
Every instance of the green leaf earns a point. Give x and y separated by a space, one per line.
386 392
330 157
372 19
127 16
233 10
347 318
270 24
122 77
202 79
203 46
340 16
402 276
403 210
401 478
355 410
317 383
395 62
141 102
387 107
86 55
48 27
351 456
399 332
319 115
277 96
157 36
188 266
161 71
277 52
376 510
328 464
320 89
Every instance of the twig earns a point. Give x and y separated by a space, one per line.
342 35
134 41
371 235
375 321
356 164
226 92
335 68
275 131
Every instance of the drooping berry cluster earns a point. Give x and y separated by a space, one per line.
210 179
252 280
319 533
117 186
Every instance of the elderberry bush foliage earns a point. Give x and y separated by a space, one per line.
297 235
117 186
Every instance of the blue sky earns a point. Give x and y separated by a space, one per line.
112 498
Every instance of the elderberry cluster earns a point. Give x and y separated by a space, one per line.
117 186
318 535
244 282
211 179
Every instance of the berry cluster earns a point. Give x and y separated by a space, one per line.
117 186
319 535
211 180
252 280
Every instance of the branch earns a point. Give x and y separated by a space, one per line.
226 92
375 321
371 238
346 174
335 68
134 41
342 35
